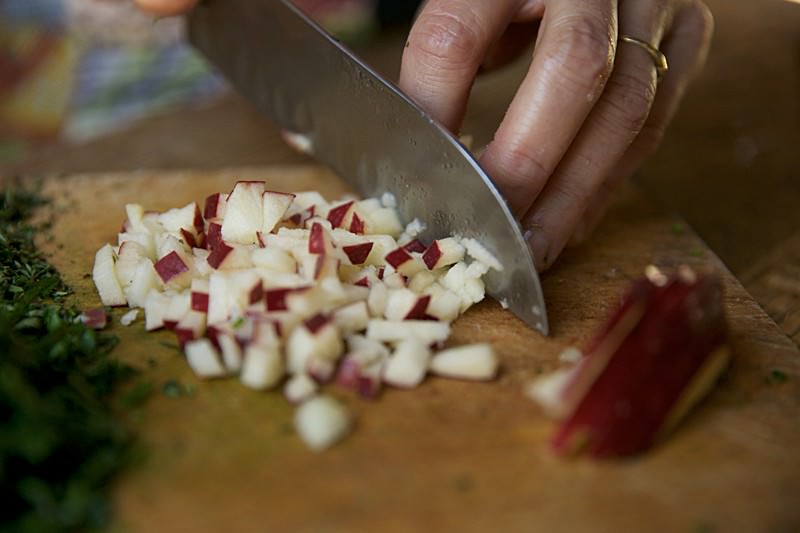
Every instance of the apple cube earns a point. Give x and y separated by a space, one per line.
199 295
321 422
105 277
226 256
384 221
358 253
273 259
203 359
179 305
214 207
472 361
231 351
351 317
442 253
190 327
96 318
263 366
427 331
299 388
479 253
316 337
175 270
404 262
408 364
274 207
145 279
405 304
144 239
244 213
155 308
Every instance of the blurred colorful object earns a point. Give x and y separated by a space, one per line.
72 70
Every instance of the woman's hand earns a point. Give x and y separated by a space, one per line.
589 111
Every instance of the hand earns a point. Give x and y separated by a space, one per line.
588 112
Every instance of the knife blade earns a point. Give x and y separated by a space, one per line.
368 132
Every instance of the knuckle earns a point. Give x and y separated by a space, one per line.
574 193
583 50
445 39
630 99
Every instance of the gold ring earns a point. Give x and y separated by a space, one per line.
658 56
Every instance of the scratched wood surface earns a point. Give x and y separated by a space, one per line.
449 455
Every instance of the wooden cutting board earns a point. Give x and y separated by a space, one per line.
449 455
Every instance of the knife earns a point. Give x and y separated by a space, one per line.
368 132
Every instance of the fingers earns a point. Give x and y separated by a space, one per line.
686 46
446 46
166 8
571 63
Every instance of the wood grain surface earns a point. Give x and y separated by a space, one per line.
449 455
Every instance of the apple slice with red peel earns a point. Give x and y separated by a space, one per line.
96 318
155 308
444 304
214 206
244 213
145 279
405 304
175 270
657 356
179 304
316 337
442 253
340 215
226 256
213 235
358 253
199 291
427 331
129 255
191 326
404 262
105 277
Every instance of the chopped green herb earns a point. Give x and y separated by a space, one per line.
696 252
172 389
777 376
61 443
678 228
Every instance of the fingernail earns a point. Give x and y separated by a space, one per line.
539 245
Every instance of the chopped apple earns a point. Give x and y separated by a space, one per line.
404 262
427 331
318 337
444 304
358 253
340 215
185 218
442 253
204 359
96 318
299 388
351 317
105 277
274 204
405 304
660 353
471 361
273 259
199 291
478 252
145 279
214 208
263 366
244 213
408 364
321 422
179 304
377 299
226 256
155 308
175 270
231 351
191 326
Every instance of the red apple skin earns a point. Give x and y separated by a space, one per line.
347 375
169 266
397 257
358 253
368 387
432 255
276 299
623 410
188 238
356 224
200 302
256 293
380 273
415 246
214 235
316 239
218 254
419 309
337 214
95 318
211 207
363 282
317 322
198 219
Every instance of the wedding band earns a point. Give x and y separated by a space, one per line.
658 57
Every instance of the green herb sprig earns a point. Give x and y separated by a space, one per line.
60 441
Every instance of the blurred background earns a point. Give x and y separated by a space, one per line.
94 85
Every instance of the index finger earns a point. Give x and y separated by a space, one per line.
445 48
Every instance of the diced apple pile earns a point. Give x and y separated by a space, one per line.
290 290
659 353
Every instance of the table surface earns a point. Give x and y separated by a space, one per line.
449 455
